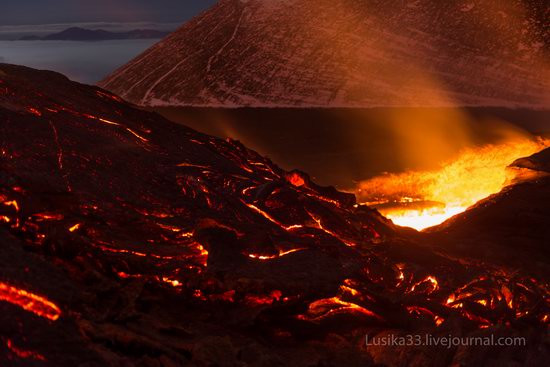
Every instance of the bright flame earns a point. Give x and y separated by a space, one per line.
421 199
423 218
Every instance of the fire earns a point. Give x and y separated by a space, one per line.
422 199
29 301
423 218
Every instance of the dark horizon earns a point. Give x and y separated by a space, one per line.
38 12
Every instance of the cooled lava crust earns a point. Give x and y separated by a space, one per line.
129 240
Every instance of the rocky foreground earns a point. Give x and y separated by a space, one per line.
128 240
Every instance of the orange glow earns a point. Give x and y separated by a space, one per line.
350 290
271 219
109 96
174 283
47 216
75 227
202 250
29 301
295 179
451 299
422 199
25 354
320 226
193 165
431 280
271 257
424 218
335 305
254 300
109 122
12 203
34 111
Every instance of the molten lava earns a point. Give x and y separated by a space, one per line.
29 301
159 249
25 354
422 199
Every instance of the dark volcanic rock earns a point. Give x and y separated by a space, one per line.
539 162
128 240
361 53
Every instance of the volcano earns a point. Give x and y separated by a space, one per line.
126 239
368 53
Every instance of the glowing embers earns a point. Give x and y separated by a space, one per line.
421 199
58 109
172 282
29 301
109 96
272 257
487 301
295 179
22 353
324 308
75 227
316 219
351 299
331 233
109 122
34 111
271 219
263 300
12 203
8 211
42 217
428 285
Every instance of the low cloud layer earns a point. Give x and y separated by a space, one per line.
14 32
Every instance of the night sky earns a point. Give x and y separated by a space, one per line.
22 12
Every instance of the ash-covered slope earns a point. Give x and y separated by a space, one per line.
128 240
348 53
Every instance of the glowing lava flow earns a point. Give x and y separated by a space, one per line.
422 199
29 301
25 354
423 218
271 257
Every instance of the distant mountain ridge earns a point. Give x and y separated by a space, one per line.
342 53
82 34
